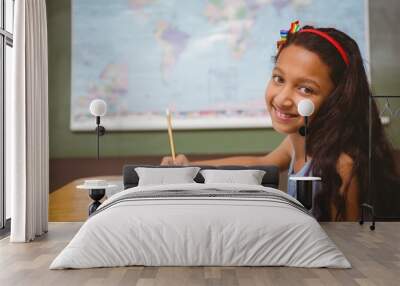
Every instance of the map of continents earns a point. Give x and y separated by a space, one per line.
202 59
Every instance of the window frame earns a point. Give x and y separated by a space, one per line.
6 39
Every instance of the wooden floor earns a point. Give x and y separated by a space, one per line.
374 255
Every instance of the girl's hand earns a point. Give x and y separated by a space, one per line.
180 160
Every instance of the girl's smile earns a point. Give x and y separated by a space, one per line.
282 116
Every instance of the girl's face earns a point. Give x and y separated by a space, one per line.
298 74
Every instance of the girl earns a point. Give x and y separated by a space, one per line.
325 66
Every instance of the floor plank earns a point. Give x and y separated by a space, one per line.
375 257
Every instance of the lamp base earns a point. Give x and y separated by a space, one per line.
365 207
96 195
102 130
302 131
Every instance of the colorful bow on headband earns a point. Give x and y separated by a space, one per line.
294 28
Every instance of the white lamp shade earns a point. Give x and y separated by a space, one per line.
98 107
305 107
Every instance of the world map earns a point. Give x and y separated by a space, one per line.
207 61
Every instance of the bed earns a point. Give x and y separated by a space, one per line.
201 224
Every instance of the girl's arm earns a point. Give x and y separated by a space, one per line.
280 157
349 188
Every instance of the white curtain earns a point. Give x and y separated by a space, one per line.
27 123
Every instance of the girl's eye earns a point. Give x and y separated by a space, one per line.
277 79
306 90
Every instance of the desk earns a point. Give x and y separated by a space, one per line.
70 204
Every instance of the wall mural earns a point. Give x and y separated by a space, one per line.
207 61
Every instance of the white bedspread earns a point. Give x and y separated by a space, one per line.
182 231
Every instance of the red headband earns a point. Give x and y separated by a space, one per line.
331 40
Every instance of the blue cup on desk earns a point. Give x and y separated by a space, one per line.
304 188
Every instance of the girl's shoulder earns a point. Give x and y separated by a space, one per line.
344 162
344 167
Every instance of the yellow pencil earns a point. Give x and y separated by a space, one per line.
171 139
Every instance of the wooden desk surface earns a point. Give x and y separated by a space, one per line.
71 204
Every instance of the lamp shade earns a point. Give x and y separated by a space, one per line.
305 107
98 107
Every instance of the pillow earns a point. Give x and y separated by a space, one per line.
162 176
248 177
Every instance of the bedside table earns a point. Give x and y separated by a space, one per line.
304 187
96 193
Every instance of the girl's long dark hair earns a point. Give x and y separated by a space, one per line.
341 126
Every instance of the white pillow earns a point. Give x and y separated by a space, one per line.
248 177
163 176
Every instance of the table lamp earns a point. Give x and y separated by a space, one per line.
305 109
304 184
98 108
